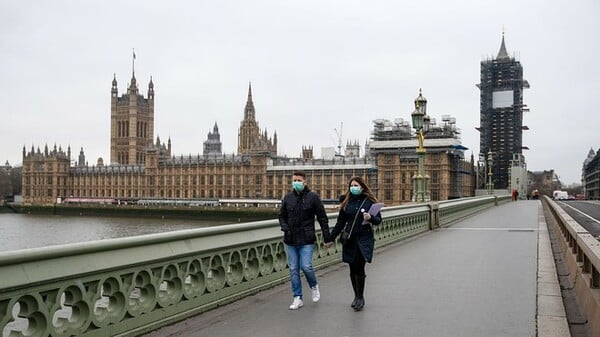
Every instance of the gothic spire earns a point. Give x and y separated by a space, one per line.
502 54
114 91
151 89
133 84
133 64
249 113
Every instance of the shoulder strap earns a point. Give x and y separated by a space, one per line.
356 216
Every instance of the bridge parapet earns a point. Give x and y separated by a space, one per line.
453 210
581 252
127 286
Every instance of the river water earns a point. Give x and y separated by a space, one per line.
21 231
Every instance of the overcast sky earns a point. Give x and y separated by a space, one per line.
313 66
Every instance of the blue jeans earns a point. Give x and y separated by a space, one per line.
300 258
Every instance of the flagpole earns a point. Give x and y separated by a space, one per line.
133 63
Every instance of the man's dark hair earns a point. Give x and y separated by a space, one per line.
300 173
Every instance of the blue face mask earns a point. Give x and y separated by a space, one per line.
355 190
298 186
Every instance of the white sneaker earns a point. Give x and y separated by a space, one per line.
316 295
297 303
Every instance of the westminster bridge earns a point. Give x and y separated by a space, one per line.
480 266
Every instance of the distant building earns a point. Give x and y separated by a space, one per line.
518 175
255 172
250 139
393 145
6 188
81 162
213 145
501 113
352 149
46 175
328 152
588 159
591 176
131 123
543 181
307 152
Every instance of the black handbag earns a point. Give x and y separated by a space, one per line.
345 235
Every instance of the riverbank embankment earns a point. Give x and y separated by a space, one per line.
237 214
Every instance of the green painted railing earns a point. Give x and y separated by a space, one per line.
127 286
454 210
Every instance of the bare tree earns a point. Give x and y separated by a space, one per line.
5 184
15 180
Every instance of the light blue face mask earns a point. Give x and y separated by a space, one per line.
298 186
355 190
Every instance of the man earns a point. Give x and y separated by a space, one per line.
297 220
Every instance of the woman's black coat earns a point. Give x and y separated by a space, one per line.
362 235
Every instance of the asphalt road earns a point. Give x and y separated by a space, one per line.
586 213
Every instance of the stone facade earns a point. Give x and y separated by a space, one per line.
46 175
250 139
256 172
450 175
591 176
131 123
212 144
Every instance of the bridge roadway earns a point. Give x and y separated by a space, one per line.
478 277
585 212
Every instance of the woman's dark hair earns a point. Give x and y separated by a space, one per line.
366 191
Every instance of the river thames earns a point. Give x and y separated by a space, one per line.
22 231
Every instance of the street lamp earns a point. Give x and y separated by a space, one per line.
490 184
420 121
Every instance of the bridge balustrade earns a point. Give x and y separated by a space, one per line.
128 286
581 252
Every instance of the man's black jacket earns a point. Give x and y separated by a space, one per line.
297 217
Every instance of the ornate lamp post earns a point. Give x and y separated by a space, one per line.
420 122
490 184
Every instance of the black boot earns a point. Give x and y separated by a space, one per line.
354 287
360 289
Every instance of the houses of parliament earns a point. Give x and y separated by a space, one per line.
143 168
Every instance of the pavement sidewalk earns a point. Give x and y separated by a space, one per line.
477 277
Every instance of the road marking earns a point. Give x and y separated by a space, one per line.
492 229
580 212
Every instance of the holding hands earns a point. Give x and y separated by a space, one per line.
328 242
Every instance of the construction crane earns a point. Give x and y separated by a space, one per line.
339 138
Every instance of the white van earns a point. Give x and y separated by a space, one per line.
560 195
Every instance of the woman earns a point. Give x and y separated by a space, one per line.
354 218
